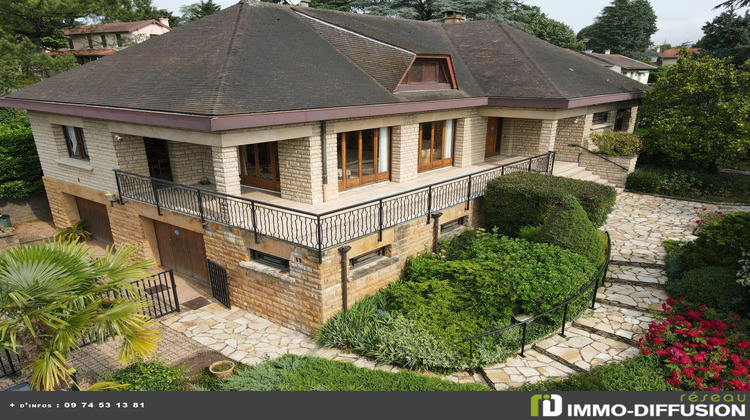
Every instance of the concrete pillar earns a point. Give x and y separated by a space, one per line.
301 170
405 147
226 165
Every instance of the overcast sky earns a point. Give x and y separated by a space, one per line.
678 20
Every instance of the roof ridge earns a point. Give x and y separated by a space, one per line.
225 62
528 59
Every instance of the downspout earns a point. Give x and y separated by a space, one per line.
324 142
344 250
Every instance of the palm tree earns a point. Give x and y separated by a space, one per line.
56 293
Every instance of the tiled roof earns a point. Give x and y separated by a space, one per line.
675 52
115 27
105 51
261 57
626 63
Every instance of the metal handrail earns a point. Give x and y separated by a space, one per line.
244 212
599 156
600 275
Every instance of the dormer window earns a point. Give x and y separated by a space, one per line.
429 73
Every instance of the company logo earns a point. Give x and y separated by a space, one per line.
551 405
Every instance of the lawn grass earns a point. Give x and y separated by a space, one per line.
640 373
306 373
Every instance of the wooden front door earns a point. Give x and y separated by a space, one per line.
494 136
259 166
97 219
182 250
157 155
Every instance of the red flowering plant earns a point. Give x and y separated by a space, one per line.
700 351
706 217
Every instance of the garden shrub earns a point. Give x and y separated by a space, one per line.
719 244
569 228
699 350
715 287
474 285
20 170
743 275
617 143
526 199
150 376
643 181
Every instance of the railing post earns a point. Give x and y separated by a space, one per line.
531 160
380 221
502 171
200 208
429 203
596 290
119 189
253 219
468 193
174 290
320 242
552 165
436 231
565 318
156 197
523 340
471 354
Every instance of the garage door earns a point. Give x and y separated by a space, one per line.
181 250
98 219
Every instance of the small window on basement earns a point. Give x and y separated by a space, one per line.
269 260
453 224
428 73
367 257
600 118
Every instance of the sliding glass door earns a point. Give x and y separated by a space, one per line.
363 157
436 144
259 166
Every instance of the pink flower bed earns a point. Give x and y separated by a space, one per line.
700 353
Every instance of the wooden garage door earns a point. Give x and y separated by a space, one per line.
98 219
181 250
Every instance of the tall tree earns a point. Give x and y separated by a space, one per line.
131 10
728 35
198 10
732 4
532 20
624 27
409 9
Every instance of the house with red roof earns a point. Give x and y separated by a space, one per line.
670 56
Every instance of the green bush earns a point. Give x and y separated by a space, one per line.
617 143
526 199
305 373
150 376
20 170
75 233
644 181
715 287
569 228
719 244
475 286
640 373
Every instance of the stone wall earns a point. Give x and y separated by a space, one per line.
131 154
524 136
301 170
612 173
404 149
226 169
471 138
190 162
574 130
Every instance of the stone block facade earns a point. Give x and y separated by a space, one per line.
404 150
226 164
471 138
574 130
190 162
527 137
614 174
301 170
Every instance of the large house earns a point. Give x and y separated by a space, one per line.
90 42
634 69
670 56
309 152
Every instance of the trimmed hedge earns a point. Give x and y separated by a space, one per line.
527 198
644 182
715 287
569 228
720 243
617 143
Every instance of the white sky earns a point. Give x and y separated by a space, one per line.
678 20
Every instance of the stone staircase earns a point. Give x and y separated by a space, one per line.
627 303
575 171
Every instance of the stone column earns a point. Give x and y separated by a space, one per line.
331 190
471 139
301 170
226 165
547 136
632 116
404 162
573 130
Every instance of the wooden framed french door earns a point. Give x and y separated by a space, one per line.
364 157
494 136
259 166
436 144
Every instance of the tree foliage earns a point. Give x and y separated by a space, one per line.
728 35
20 171
625 27
198 10
731 4
698 113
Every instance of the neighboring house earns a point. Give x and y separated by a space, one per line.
670 56
634 69
90 42
336 144
653 55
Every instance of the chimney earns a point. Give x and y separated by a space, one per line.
607 51
164 21
453 17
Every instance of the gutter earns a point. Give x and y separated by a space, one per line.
237 122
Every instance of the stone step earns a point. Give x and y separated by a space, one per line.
645 264
637 274
572 172
532 368
625 325
584 349
641 297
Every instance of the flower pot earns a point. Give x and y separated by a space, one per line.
225 371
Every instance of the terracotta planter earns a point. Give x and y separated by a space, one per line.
221 374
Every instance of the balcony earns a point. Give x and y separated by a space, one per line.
322 227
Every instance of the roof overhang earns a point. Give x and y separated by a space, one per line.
236 122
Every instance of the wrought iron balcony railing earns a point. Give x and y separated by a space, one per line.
319 231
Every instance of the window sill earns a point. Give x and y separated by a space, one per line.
371 267
267 270
602 126
75 163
